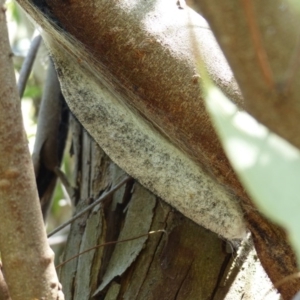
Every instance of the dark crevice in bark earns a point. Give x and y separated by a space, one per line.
183 279
160 240
114 221
223 268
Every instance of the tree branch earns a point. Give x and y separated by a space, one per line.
27 259
28 63
260 39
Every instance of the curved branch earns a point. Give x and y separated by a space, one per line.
28 63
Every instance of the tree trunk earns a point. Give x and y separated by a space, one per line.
184 262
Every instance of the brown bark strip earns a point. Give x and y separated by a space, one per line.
175 105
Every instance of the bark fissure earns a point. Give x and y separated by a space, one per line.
223 268
184 277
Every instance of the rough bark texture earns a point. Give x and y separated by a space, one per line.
98 101
188 127
188 262
165 267
28 266
173 104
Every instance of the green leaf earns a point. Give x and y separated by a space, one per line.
267 165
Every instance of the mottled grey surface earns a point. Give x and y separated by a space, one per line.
135 145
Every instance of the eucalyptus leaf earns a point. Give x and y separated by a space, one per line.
267 165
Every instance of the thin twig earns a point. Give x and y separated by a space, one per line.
100 199
110 243
27 64
70 190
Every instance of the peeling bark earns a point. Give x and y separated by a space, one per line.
123 60
165 267
189 262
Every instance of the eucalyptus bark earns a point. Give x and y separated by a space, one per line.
26 256
140 64
185 263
